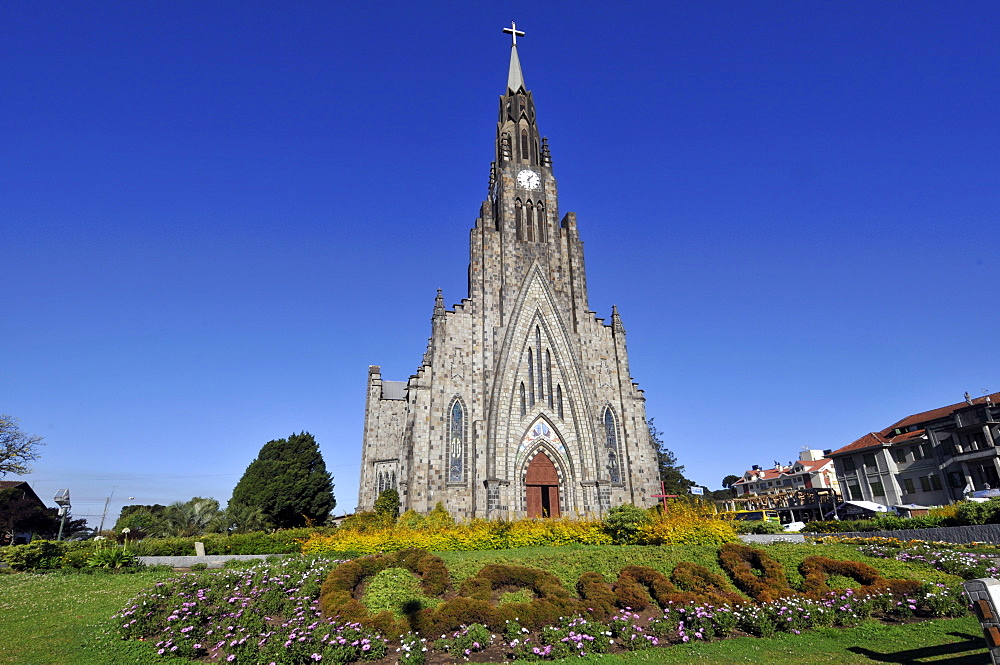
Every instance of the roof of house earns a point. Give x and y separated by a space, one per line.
885 437
804 466
941 412
22 485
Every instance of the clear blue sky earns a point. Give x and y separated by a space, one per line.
216 215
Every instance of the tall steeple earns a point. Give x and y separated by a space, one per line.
515 79
518 139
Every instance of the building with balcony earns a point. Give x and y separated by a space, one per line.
930 458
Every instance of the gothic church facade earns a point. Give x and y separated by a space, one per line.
523 404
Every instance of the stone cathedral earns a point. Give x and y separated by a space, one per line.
523 404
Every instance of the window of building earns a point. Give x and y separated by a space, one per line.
524 144
899 454
855 492
908 486
611 443
524 405
548 378
915 451
956 479
541 222
935 482
518 219
456 436
927 449
531 378
529 222
541 377
868 459
559 405
925 483
877 488
848 464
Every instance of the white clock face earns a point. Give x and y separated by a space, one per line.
528 179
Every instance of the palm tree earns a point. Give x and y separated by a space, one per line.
192 518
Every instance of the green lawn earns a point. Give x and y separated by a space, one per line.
952 641
57 619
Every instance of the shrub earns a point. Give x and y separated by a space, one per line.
754 572
817 569
36 555
624 522
114 558
387 505
757 526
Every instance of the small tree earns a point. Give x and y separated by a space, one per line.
387 504
288 482
671 473
728 481
192 518
17 449
241 518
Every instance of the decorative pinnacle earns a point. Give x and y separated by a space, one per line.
439 304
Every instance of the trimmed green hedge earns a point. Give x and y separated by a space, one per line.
287 541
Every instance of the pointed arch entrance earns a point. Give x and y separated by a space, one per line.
542 486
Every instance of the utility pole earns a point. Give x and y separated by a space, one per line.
105 513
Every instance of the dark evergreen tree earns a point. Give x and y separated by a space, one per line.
288 482
728 481
671 473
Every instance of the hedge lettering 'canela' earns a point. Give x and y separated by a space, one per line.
751 570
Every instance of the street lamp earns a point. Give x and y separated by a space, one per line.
62 499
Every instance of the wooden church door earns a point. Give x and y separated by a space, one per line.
543 487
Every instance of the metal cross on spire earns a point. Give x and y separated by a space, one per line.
514 32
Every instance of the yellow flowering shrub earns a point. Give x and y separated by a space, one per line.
686 524
681 525
477 534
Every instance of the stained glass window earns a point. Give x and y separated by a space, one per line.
611 440
456 437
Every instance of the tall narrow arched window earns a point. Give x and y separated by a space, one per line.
524 144
456 443
559 406
541 377
518 221
531 378
548 378
524 406
611 444
534 153
529 222
540 236
392 480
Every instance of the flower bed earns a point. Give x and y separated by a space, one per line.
275 612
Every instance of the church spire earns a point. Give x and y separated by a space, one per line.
515 79
518 140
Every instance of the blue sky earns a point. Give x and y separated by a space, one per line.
215 216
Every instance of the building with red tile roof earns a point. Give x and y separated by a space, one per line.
929 458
